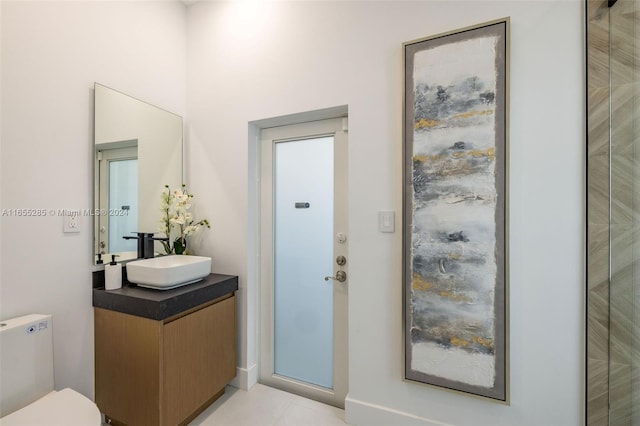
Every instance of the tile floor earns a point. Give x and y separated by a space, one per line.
265 406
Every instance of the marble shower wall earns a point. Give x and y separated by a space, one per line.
597 212
613 209
624 349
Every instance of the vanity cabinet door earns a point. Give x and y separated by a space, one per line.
127 361
199 360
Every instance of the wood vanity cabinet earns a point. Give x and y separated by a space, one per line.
165 372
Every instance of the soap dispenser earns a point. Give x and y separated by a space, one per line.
113 274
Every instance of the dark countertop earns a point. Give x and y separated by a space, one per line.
162 304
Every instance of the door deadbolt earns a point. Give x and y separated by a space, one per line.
341 276
341 260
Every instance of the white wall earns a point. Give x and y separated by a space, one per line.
52 53
281 58
249 61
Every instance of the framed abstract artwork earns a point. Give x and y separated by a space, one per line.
455 210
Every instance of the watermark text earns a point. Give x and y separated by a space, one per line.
41 212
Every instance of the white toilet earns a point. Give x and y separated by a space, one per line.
27 396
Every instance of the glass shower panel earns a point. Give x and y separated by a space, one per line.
123 198
624 320
303 256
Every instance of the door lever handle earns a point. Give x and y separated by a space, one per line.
341 276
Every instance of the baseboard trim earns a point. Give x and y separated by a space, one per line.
245 377
363 413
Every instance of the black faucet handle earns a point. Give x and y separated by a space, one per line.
145 244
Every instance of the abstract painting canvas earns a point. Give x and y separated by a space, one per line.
455 210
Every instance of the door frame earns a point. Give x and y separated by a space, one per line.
266 375
104 157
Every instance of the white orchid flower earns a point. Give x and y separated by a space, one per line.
174 205
177 219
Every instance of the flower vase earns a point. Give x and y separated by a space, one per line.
180 246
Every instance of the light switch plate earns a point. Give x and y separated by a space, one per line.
387 221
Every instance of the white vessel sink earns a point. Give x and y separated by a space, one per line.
167 272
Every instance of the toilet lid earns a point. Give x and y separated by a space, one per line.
63 408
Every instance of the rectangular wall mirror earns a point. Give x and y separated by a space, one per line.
138 150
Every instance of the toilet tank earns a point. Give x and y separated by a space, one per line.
26 361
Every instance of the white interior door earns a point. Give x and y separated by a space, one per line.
304 259
118 190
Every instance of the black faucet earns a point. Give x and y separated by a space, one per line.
145 243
